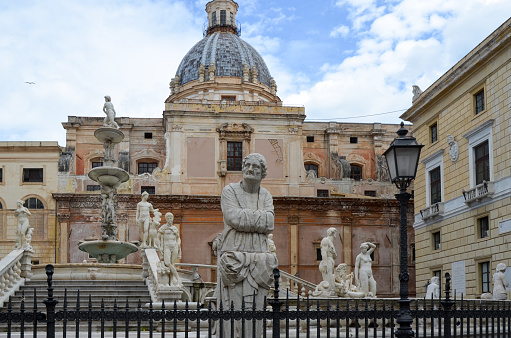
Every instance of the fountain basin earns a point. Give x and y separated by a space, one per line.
109 135
106 251
111 176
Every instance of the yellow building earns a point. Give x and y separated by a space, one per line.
29 172
463 185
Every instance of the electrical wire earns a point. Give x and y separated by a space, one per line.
357 117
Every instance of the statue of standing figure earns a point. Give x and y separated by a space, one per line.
170 251
364 279
433 289
143 218
328 255
500 283
108 109
23 231
152 238
245 265
271 245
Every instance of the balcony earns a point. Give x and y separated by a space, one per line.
432 211
479 192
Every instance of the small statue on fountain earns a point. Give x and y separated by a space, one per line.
143 217
363 272
153 231
500 283
108 109
24 231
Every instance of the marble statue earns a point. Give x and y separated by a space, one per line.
143 217
152 238
108 109
343 281
328 255
433 290
271 245
245 265
364 279
23 231
170 251
500 283
416 92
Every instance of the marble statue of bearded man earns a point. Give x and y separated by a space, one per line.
245 265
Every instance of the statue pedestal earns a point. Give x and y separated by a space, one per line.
169 294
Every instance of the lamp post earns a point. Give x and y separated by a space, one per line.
402 160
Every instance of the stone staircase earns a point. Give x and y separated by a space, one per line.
91 294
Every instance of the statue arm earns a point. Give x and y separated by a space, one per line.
246 220
27 211
357 262
137 215
372 247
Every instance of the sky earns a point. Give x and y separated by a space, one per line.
344 60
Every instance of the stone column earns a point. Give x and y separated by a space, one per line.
63 224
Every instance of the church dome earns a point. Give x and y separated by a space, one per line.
229 54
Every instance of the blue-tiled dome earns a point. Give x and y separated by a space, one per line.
228 52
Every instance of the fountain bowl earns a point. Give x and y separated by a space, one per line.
111 176
109 134
100 247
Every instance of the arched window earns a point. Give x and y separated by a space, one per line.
356 172
313 167
38 216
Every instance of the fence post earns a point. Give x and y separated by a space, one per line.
276 304
447 304
50 304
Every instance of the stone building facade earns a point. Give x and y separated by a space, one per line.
462 190
29 172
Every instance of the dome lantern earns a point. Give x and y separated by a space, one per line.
222 17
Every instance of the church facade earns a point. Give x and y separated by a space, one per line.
223 105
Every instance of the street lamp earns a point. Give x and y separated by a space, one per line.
402 160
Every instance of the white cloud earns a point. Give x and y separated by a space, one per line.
404 43
77 52
340 31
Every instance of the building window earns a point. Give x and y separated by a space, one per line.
356 172
353 139
223 18
484 268
37 217
479 101
148 135
436 240
97 162
213 19
433 131
33 203
229 98
151 190
146 167
234 156
1 175
322 193
313 167
232 18
483 227
412 253
435 182
477 137
482 162
33 175
370 193
310 139
93 187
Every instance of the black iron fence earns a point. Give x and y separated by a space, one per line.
287 317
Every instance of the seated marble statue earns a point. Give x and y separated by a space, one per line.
500 283
433 289
245 265
23 231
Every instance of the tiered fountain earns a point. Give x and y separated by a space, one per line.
108 249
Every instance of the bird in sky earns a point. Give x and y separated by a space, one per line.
29 82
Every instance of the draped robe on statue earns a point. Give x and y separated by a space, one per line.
245 265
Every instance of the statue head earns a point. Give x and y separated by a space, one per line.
435 280
169 217
20 203
107 98
342 269
262 162
501 267
270 236
145 195
331 232
364 247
